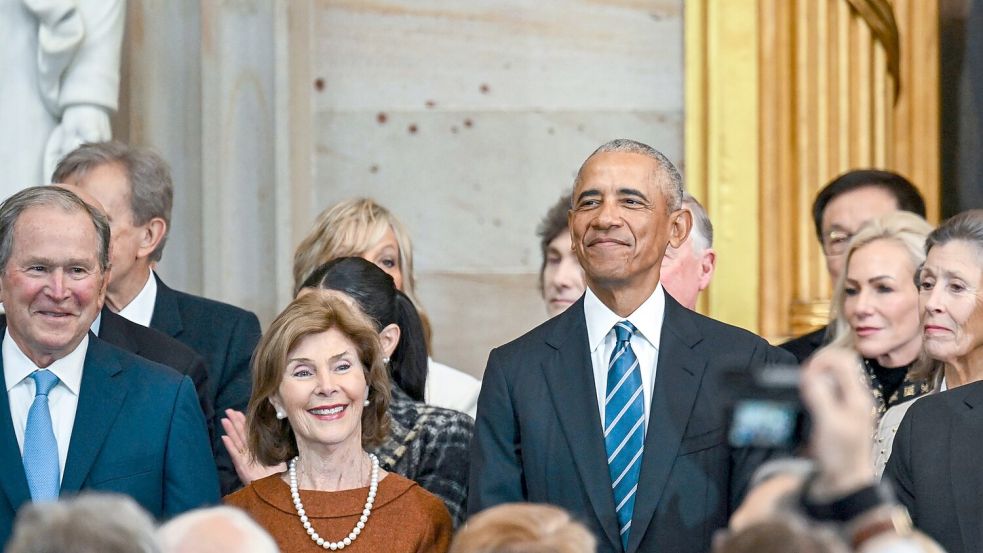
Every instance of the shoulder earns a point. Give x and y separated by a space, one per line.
804 346
135 367
720 332
412 497
940 407
196 308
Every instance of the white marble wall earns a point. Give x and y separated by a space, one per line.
467 119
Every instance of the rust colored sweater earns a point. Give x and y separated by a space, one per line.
405 517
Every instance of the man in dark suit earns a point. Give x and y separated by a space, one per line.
935 467
838 212
134 186
76 412
658 474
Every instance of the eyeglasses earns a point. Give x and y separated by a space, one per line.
835 242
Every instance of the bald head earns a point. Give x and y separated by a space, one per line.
215 529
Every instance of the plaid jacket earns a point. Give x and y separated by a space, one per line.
429 445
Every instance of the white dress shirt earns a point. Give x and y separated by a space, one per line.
601 340
62 400
141 309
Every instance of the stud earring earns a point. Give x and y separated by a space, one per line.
366 402
385 360
281 415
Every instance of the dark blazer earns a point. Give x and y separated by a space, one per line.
538 433
160 348
804 346
138 431
226 337
935 467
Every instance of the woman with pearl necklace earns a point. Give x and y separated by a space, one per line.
320 396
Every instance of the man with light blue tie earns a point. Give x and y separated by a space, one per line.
77 413
612 409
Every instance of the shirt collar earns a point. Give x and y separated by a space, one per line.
17 366
647 319
141 309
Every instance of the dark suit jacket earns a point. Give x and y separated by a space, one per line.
138 431
160 348
935 467
226 337
805 345
538 433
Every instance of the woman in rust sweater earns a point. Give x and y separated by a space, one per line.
320 395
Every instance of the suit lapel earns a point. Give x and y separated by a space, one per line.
570 380
677 380
13 481
166 317
112 330
967 428
100 398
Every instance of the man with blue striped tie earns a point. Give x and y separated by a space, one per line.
612 409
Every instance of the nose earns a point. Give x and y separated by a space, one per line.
862 305
932 299
326 384
56 287
569 274
607 215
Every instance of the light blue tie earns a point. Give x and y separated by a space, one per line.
40 448
624 428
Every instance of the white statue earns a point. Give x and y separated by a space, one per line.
59 82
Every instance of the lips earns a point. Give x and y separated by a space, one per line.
605 241
328 412
864 331
932 329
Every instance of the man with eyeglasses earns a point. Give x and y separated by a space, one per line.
840 209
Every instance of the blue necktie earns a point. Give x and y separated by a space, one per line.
624 431
40 448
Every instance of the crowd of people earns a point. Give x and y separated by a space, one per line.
132 410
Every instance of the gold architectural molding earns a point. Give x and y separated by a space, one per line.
782 96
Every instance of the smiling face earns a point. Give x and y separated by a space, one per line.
620 223
385 254
951 300
881 303
563 278
323 392
52 287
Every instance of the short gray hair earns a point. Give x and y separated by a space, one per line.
151 188
673 185
702 234
89 523
966 226
215 529
48 196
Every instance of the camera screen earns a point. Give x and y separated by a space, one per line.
764 423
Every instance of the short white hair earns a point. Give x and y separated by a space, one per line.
215 529
702 233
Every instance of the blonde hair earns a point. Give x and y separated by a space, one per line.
523 528
901 227
348 229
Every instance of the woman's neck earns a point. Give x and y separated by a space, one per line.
902 356
965 369
331 469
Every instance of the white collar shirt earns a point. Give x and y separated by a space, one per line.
62 400
141 309
601 340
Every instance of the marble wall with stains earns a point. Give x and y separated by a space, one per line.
466 119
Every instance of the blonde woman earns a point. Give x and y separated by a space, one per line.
361 227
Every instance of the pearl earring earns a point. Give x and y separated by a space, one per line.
281 415
366 402
385 360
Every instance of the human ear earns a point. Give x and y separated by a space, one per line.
389 337
152 235
680 223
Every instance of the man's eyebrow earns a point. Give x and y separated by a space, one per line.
632 192
592 193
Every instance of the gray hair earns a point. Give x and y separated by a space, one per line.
702 234
48 196
151 188
966 226
89 523
673 184
215 529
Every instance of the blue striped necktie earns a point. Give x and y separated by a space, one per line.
624 426
41 462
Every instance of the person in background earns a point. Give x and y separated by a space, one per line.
89 523
839 210
362 228
687 270
425 443
214 530
875 312
561 279
134 186
935 462
320 398
523 528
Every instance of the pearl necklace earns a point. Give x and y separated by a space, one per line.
335 545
